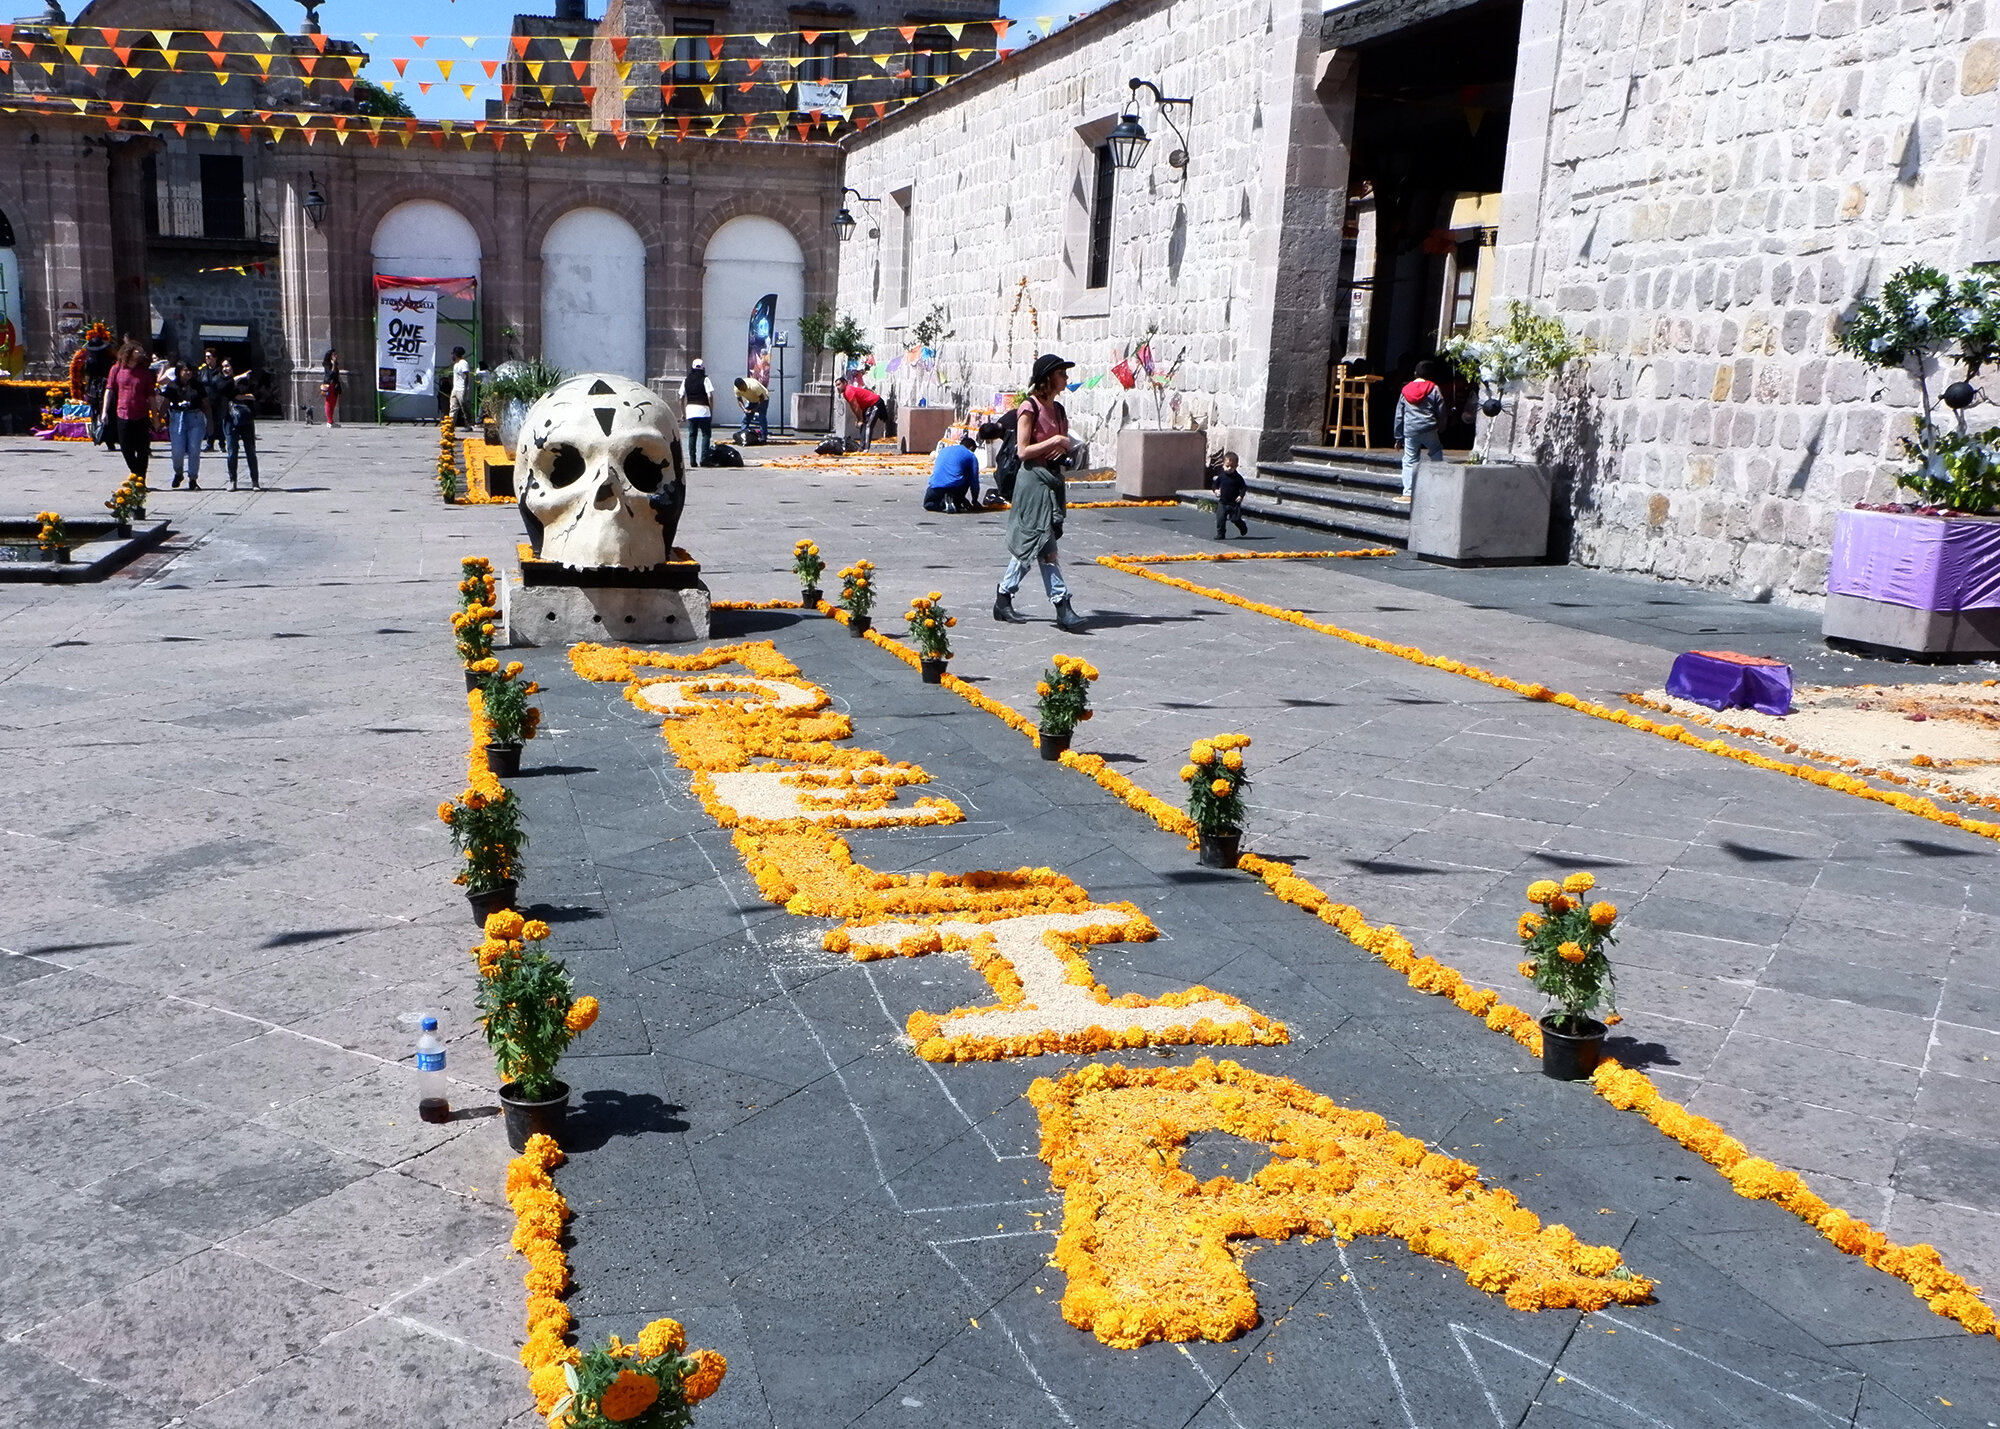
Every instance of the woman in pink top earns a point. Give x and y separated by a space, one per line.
1035 519
128 401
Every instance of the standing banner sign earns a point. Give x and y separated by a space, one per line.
406 330
405 339
762 317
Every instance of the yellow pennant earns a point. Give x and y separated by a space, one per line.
263 62
625 70
213 129
548 94
468 136
163 38
707 94
341 135
75 52
859 37
528 138
714 68
590 138
172 57
404 135
444 67
957 32
569 47
534 68
764 40
470 40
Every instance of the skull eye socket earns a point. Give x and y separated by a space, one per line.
568 466
643 472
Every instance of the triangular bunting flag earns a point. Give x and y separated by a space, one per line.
307 63
859 37
423 86
534 69
579 68
707 95
747 86
618 44
264 62
957 32
755 65
111 38
342 137
401 65
809 35
467 89
217 58
319 42
764 40
908 32
470 40
172 57
418 40
624 72
521 45
348 84
548 93
265 40
490 66
1000 30
715 47
681 122
569 47
163 38
590 94
444 68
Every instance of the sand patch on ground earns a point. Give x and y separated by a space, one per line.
1941 737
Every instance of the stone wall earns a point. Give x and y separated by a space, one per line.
994 176
1703 188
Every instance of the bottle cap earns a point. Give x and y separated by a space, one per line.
430 1024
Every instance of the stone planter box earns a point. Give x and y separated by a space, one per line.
96 549
1153 466
812 411
1491 515
923 427
1922 585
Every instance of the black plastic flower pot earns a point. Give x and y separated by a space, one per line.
545 1117
857 625
1220 850
932 670
1053 745
1571 1056
504 760
809 599
491 901
472 679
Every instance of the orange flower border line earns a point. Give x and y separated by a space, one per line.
1829 779
1920 1266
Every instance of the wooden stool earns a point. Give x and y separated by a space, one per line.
1347 400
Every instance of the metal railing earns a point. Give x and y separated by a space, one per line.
188 215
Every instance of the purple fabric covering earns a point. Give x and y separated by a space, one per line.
1726 685
1925 562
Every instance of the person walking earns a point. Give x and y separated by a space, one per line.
128 407
1419 415
217 383
461 389
1035 520
186 396
242 428
698 407
329 386
100 355
1229 491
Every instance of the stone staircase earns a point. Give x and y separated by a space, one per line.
1349 491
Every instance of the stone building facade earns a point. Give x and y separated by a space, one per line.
1701 188
192 233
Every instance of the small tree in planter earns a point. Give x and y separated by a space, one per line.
651 1384
929 621
1920 317
510 719
486 829
1527 347
1063 702
529 1008
857 594
1216 781
1565 943
808 567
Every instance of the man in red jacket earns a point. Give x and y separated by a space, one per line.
1419 415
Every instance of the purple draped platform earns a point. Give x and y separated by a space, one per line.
1925 562
1724 680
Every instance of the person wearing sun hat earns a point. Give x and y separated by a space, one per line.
1035 520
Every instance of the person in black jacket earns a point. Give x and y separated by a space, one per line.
217 383
1229 489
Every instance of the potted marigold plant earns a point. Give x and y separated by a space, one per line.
128 503
857 595
1565 942
529 1008
53 538
510 719
929 621
475 585
652 1384
1063 702
808 567
475 627
486 828
1216 780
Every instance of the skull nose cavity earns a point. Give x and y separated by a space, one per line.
607 492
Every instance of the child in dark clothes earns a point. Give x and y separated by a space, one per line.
1229 489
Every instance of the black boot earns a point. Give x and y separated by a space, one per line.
1066 617
1241 528
1003 610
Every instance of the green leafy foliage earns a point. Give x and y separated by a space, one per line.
1527 345
1063 695
487 830
525 381
524 1004
591 1379
371 99
1217 780
506 701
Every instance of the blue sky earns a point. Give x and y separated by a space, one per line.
394 22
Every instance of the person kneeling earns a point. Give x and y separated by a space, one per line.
954 483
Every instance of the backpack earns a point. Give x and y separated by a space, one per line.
1007 461
723 454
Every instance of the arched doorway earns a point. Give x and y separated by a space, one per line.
747 258
427 239
594 294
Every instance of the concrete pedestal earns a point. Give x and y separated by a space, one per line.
923 428
1481 515
1965 634
1152 466
812 411
563 615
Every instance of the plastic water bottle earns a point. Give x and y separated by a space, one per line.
433 1099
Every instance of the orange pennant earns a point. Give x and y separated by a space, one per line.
521 45
618 44
579 68
490 66
400 65
319 43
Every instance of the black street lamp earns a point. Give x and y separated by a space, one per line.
1128 141
314 202
843 221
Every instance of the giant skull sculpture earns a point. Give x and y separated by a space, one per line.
600 475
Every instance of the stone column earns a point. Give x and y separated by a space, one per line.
131 297
304 285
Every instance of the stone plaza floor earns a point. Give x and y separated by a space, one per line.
233 902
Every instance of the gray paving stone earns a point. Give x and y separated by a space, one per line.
70 1251
269 1071
195 1330
40 1391
372 1117
240 1177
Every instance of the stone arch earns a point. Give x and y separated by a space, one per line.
594 293
428 238
743 258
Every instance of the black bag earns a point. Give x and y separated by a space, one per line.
723 454
1007 462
